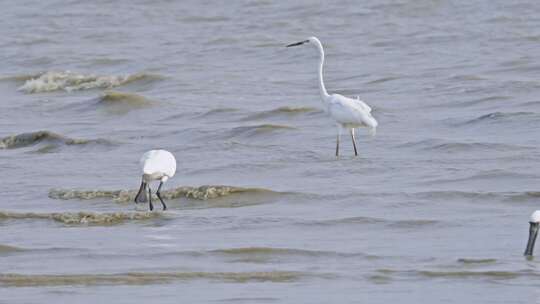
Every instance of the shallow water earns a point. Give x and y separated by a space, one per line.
434 209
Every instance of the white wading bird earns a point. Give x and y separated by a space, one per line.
533 232
157 165
348 113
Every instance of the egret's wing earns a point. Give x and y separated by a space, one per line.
349 111
362 104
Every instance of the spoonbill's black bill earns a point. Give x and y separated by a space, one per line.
533 233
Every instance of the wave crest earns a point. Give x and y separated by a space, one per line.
144 278
71 81
54 139
114 97
116 102
84 218
9 249
123 196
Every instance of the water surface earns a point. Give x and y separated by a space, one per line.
434 209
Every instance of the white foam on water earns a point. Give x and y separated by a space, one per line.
71 81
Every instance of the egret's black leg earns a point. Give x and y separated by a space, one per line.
354 142
159 196
150 199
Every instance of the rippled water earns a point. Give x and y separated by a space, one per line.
434 209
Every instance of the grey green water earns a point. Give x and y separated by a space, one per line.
434 210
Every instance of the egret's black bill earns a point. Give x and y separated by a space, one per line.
297 43
533 233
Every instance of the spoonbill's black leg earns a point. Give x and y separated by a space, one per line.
142 191
159 196
354 142
150 199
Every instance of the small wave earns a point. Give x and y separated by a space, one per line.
253 131
404 224
204 19
465 147
70 81
464 274
77 218
114 98
9 249
107 61
19 77
122 196
448 195
29 41
52 139
250 300
210 192
489 99
226 41
384 79
531 103
360 220
146 278
494 274
270 251
498 116
379 279
282 112
265 255
348 220
121 102
453 147
486 175
474 195
218 111
476 261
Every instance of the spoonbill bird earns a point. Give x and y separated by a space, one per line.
157 165
347 112
534 222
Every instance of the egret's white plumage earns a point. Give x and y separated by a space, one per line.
157 165
534 223
347 112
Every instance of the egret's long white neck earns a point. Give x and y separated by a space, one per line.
322 88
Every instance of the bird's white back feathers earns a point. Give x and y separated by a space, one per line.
158 161
350 112
535 217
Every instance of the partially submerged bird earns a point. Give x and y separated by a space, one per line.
347 112
534 222
157 165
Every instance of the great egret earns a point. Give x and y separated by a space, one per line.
157 165
347 112
533 232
